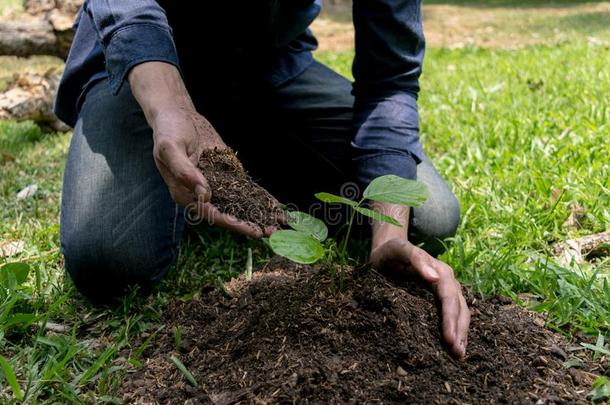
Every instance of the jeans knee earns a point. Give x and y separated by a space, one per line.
442 219
434 222
103 272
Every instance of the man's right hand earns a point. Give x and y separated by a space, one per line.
180 136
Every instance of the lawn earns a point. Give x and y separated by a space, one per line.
522 135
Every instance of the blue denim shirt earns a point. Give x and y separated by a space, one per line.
112 36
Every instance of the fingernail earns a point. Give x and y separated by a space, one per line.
203 192
430 272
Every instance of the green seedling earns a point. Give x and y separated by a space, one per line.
307 242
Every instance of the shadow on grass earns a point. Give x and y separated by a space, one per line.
588 22
340 10
514 3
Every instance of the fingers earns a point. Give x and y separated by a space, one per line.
180 194
463 326
281 217
179 171
269 229
402 256
450 310
211 213
404 252
455 312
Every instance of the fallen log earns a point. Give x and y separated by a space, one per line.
578 250
30 96
44 29
32 37
39 7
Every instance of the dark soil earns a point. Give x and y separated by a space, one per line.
234 192
284 337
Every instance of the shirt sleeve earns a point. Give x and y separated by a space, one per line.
389 55
131 32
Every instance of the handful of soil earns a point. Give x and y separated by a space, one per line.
234 192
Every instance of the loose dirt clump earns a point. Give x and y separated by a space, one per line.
284 337
234 192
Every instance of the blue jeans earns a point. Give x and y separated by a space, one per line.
119 225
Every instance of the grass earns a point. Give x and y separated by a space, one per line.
8 6
521 135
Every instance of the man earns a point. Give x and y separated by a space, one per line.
150 84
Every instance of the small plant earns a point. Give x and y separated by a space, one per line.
600 389
307 242
16 309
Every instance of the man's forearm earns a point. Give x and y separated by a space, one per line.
158 87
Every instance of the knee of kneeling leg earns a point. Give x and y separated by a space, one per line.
103 272
448 227
438 220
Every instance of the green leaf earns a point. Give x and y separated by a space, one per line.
296 246
302 222
377 216
9 374
98 364
396 190
49 342
14 274
596 349
335 199
180 366
177 338
23 320
601 389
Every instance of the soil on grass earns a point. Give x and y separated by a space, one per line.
284 337
234 192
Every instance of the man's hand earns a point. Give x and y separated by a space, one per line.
392 252
180 135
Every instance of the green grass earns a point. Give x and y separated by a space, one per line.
521 135
10 5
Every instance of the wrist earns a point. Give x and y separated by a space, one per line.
159 89
383 232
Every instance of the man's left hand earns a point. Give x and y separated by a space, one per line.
401 256
392 253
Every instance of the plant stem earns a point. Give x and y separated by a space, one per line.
343 249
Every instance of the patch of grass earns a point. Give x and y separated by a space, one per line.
7 6
523 136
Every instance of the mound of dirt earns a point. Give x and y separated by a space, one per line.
234 192
284 337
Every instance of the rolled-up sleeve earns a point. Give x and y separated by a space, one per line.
389 55
131 32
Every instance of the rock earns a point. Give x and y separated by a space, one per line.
28 192
11 248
